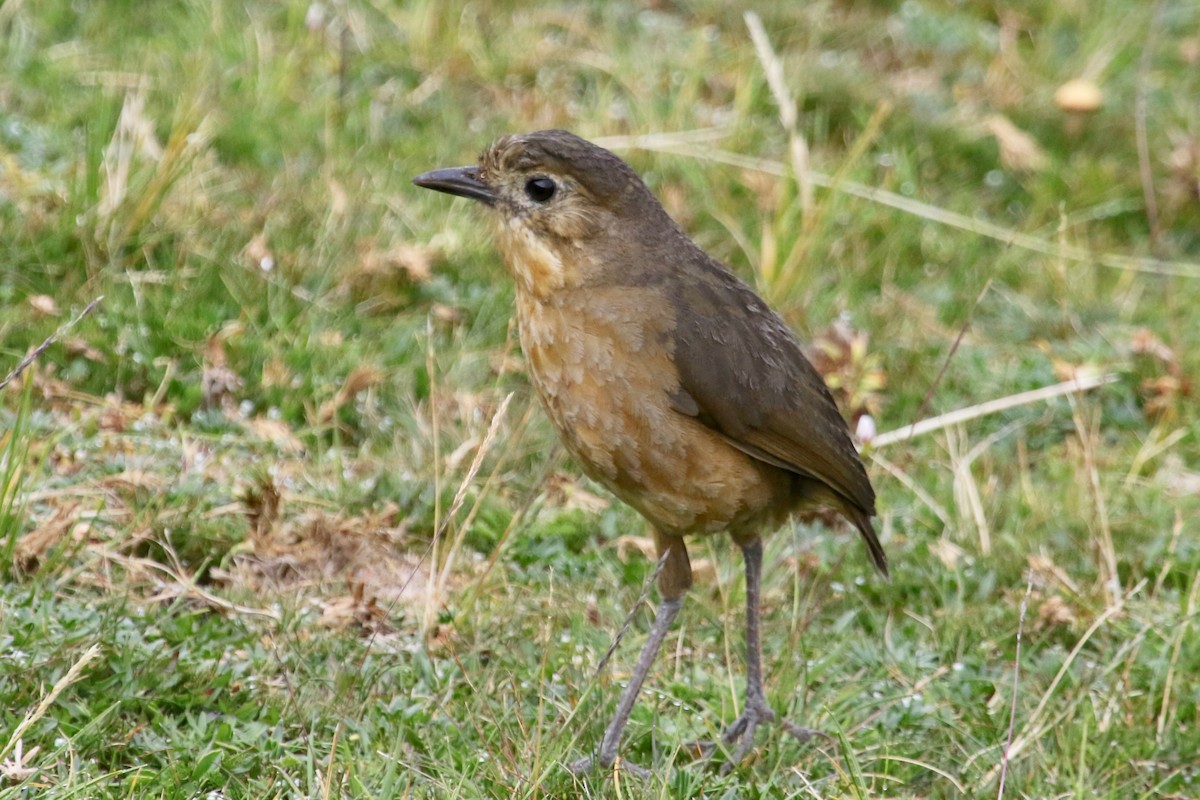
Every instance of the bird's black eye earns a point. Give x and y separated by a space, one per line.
540 190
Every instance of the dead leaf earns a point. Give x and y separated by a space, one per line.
78 346
447 315
565 492
1068 371
360 379
1054 613
339 201
359 609
1184 165
1045 574
441 637
319 550
704 571
33 546
277 433
116 415
852 372
1019 151
133 480
459 454
805 564
506 362
1145 342
627 545
18 767
413 261
1160 395
258 253
1174 476
766 188
915 81
219 383
948 553
262 502
276 374
43 305
677 200
133 142
1079 96
1189 50
1163 383
66 461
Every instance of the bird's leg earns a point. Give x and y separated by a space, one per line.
756 710
674 578
663 617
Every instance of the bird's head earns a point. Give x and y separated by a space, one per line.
561 204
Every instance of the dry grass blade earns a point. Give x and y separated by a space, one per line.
138 173
1033 726
485 446
966 489
1153 266
917 489
650 582
36 713
1154 445
1080 384
925 765
962 331
1166 711
1012 709
664 140
182 586
1168 562
51 339
1139 117
1088 433
789 117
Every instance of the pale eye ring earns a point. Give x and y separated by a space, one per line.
540 189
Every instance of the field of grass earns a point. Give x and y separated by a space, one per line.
280 517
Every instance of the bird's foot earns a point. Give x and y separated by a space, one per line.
740 735
585 765
742 732
803 734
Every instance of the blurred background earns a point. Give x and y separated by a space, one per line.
280 516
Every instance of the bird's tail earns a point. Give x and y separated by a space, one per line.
863 523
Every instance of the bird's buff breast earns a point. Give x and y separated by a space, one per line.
601 363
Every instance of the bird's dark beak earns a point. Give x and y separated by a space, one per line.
461 181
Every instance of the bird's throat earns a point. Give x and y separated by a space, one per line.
537 268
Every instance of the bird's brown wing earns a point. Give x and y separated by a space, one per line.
742 373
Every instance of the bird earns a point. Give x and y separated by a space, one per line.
668 379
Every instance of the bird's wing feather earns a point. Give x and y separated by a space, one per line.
744 375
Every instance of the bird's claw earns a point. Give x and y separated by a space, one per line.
803 734
585 765
741 732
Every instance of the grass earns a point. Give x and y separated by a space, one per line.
272 528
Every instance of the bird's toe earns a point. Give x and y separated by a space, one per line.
584 766
738 739
803 734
